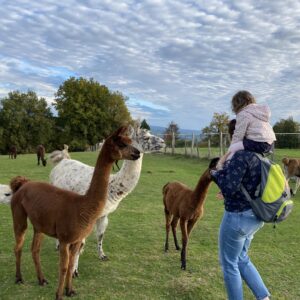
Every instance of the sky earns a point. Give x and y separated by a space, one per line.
175 60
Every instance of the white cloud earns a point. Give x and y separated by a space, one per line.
189 57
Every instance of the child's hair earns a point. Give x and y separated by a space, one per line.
240 100
231 127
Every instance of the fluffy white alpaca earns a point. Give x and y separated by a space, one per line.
75 176
5 194
57 155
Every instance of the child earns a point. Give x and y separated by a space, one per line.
252 132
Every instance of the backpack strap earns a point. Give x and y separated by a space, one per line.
245 192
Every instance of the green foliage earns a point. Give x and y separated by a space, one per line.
88 112
25 121
145 125
287 126
219 123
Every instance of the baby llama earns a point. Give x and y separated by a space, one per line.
185 205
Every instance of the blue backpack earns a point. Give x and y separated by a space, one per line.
272 201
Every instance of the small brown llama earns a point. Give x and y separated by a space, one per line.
185 205
291 168
41 155
12 153
63 214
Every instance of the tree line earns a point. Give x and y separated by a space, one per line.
285 130
83 113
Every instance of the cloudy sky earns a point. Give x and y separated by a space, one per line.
176 60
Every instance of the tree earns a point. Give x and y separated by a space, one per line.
170 130
286 140
145 125
88 112
25 121
219 123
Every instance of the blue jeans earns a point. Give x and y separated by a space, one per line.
236 232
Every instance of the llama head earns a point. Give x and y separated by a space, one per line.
44 161
213 163
118 146
144 141
285 161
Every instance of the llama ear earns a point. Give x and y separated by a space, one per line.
120 131
130 130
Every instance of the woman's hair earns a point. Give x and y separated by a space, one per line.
240 100
231 127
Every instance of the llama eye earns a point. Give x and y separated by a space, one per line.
122 145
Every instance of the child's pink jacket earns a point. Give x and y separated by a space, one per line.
252 122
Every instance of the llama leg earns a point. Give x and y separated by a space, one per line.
101 226
74 249
63 267
56 244
174 226
20 226
168 225
297 185
35 251
183 226
76 260
190 226
20 237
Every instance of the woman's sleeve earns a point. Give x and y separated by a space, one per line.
229 179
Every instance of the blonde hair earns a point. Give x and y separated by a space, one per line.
240 100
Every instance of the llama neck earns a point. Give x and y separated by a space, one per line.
123 183
201 189
130 173
96 195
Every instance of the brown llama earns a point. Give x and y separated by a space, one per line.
63 214
291 168
182 203
41 152
12 153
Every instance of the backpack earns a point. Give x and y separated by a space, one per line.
272 202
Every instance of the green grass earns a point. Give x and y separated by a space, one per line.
138 268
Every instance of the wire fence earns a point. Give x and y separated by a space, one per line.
211 145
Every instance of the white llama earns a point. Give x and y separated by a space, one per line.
75 176
5 194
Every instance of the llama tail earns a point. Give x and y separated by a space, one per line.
165 188
17 182
57 156
5 194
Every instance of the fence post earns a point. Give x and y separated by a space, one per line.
173 142
209 149
221 143
192 146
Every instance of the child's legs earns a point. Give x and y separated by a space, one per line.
258 147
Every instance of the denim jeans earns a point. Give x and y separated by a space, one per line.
236 232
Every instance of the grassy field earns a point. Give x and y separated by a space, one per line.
137 267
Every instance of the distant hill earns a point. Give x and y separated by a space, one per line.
160 130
